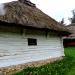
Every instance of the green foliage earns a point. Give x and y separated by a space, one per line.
62 67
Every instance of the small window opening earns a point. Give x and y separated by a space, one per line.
32 42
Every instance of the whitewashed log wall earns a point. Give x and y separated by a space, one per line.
14 48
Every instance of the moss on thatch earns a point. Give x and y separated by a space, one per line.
23 14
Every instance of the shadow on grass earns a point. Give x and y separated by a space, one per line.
57 68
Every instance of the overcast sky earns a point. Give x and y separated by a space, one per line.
57 9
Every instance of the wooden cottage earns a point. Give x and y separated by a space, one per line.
70 39
28 35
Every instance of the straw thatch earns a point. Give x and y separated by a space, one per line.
71 28
29 15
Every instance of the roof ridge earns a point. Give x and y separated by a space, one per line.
28 2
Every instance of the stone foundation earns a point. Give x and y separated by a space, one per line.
16 68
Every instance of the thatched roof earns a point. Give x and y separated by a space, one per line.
71 28
29 15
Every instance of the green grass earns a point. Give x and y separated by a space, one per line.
71 52
63 67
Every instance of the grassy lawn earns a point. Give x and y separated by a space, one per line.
71 52
63 67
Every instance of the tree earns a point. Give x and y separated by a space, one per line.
62 21
73 18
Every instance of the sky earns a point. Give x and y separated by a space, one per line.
57 9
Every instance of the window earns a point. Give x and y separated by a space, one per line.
32 42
